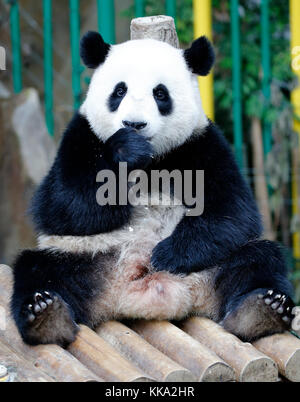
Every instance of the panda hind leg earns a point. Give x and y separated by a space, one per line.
255 291
259 313
48 319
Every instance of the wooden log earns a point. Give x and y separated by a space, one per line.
160 27
284 349
19 369
101 358
51 359
250 364
185 350
142 354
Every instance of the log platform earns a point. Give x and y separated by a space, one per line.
194 350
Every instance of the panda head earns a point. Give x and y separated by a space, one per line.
146 84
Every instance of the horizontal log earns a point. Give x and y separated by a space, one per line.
51 359
101 358
170 340
142 354
250 364
19 369
284 349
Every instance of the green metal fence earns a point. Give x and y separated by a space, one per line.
106 25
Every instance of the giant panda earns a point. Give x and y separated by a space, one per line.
99 262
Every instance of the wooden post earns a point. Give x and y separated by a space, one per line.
142 354
284 349
103 359
170 340
249 364
160 27
19 369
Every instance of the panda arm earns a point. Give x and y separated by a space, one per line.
230 216
65 203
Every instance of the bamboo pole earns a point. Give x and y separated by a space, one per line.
18 368
106 20
186 351
142 354
101 358
171 8
48 67
284 349
139 8
16 45
249 364
202 11
236 79
295 42
266 67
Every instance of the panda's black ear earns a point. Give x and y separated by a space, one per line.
200 57
93 49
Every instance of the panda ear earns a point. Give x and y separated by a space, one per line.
93 49
200 57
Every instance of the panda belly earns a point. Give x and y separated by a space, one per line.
130 288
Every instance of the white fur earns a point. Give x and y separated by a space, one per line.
142 65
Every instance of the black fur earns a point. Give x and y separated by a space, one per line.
200 57
163 99
93 49
73 277
117 96
65 203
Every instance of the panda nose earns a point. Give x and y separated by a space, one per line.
138 125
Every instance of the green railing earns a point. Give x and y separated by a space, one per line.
106 25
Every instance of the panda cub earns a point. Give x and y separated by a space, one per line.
100 262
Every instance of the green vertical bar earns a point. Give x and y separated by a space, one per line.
16 45
236 78
106 20
139 8
75 53
48 65
266 66
171 8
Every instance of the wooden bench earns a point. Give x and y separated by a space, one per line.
195 350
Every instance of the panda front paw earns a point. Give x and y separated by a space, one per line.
280 303
126 145
165 259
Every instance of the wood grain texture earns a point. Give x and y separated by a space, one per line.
249 364
185 350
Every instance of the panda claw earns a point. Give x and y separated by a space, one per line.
41 301
280 303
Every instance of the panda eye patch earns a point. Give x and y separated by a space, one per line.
163 99
117 95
